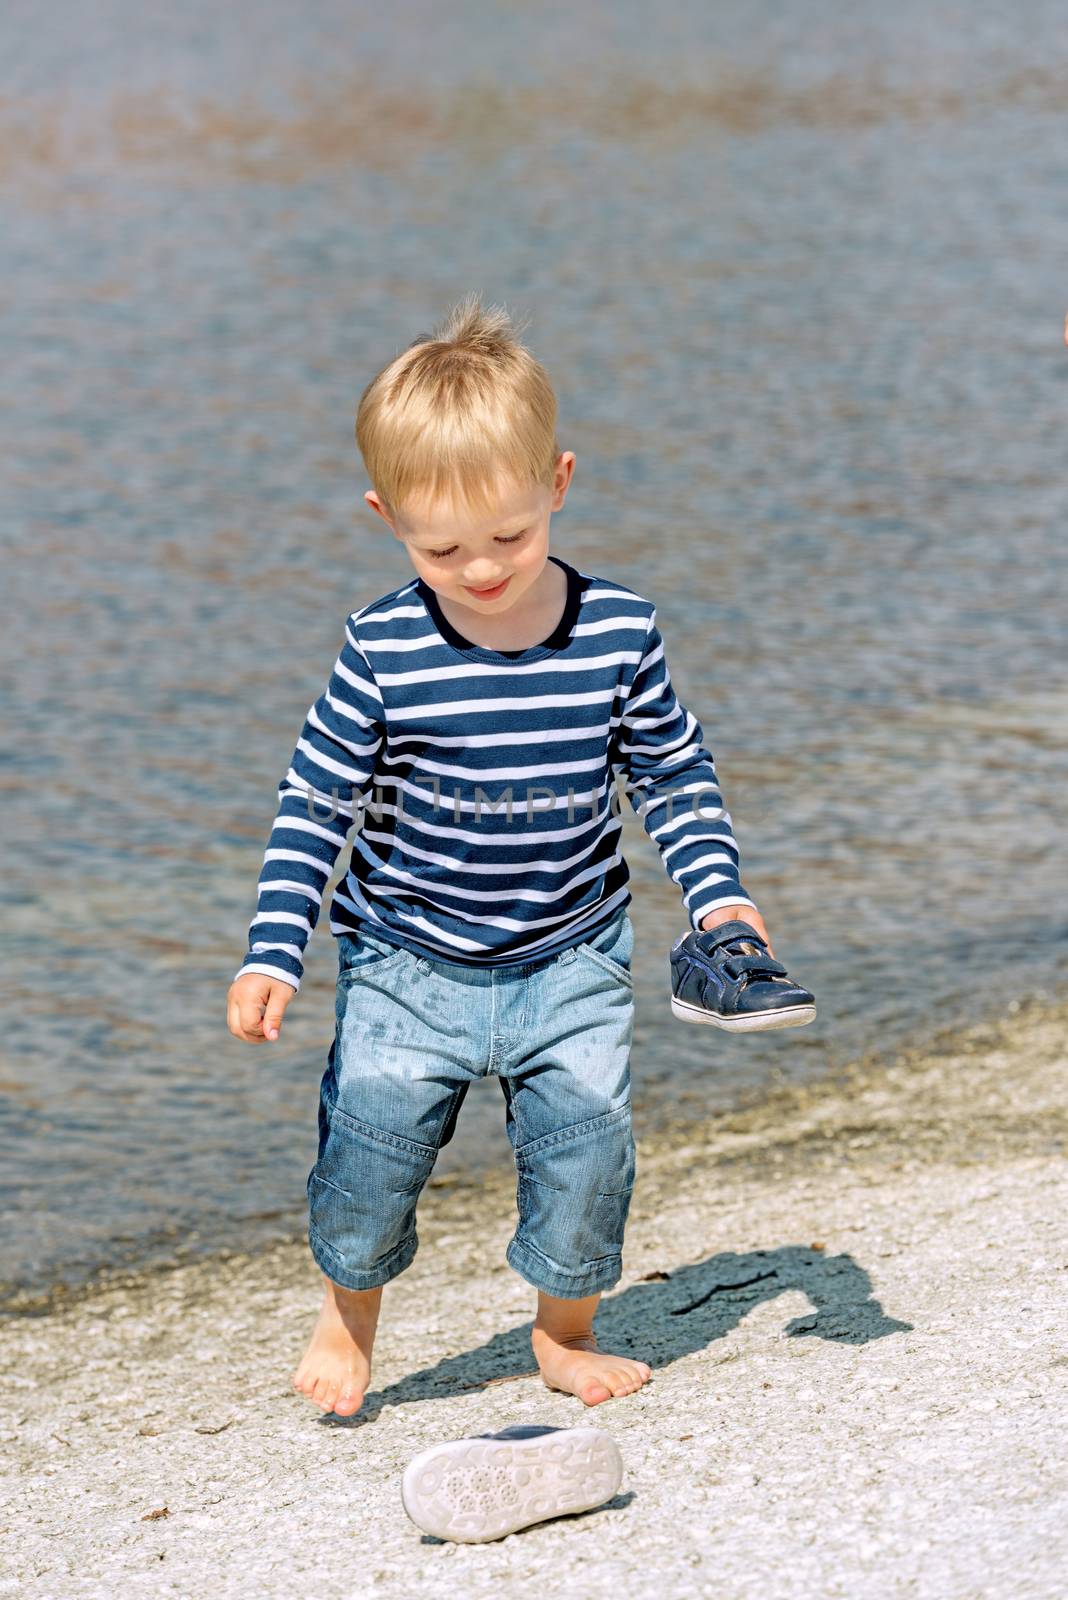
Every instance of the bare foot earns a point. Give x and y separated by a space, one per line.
336 1367
575 1366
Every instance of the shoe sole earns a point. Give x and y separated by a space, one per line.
747 1022
473 1490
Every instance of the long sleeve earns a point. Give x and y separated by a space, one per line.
672 786
330 772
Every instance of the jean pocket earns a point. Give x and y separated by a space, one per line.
360 953
611 950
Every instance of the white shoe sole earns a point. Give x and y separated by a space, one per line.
752 1022
473 1490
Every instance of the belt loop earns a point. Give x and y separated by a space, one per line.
567 955
422 965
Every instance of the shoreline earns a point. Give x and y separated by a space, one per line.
755 1108
851 1293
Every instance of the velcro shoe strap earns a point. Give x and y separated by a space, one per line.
710 939
739 966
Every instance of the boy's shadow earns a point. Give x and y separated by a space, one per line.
670 1316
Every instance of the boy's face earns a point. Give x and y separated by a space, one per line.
487 562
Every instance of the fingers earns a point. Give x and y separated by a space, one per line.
244 1020
281 995
255 1007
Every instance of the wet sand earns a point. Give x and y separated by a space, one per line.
852 1295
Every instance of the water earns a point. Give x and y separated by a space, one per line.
798 277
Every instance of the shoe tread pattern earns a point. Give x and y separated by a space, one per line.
482 1489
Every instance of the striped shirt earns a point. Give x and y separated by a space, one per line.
484 786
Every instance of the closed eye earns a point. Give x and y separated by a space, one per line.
511 538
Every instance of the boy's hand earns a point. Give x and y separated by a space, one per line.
744 913
256 1005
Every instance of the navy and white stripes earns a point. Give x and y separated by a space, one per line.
484 787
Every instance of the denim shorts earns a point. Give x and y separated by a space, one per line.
412 1035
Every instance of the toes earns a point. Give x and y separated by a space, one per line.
626 1379
320 1392
349 1400
594 1392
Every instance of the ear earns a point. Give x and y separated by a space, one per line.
565 466
378 505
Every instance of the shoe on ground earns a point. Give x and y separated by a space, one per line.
725 976
473 1490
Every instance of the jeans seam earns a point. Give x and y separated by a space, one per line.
384 1270
577 1130
395 1141
449 1117
532 1249
603 1272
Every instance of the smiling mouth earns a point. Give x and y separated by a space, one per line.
489 594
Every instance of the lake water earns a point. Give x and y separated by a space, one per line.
798 273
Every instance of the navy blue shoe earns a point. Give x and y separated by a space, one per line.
726 976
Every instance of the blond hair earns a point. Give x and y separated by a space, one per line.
456 410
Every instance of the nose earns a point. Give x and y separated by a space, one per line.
482 577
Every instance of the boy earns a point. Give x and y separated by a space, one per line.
476 718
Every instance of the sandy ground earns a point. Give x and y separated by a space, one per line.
853 1297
